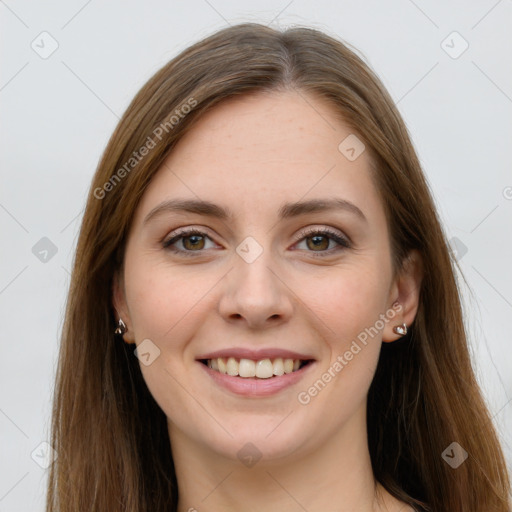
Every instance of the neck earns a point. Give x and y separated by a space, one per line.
335 474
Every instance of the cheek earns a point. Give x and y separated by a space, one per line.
349 306
159 298
342 380
168 306
348 300
162 305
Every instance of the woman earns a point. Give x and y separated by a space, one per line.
263 313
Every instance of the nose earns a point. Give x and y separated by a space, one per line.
255 294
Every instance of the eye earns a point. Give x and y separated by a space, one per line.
319 240
192 240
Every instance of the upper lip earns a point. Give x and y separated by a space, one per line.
255 355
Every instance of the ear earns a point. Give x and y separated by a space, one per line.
406 291
119 302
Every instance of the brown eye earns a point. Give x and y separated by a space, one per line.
190 240
194 242
318 242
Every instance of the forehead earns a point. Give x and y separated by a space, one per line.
254 152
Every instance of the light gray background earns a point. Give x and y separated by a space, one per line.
58 112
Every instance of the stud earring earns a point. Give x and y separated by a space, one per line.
121 328
400 329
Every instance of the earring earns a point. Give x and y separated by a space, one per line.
400 329
121 328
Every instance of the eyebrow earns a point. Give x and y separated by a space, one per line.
286 211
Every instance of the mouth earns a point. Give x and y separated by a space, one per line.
255 369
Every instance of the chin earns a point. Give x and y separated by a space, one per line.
268 440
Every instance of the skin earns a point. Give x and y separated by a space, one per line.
250 155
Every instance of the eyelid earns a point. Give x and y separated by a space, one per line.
311 230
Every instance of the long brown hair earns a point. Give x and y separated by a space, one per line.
110 435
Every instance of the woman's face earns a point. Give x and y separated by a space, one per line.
261 284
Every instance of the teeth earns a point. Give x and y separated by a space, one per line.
222 365
288 365
232 366
263 369
247 368
278 366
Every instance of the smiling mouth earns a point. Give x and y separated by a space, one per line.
261 369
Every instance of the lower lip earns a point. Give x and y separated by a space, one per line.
254 386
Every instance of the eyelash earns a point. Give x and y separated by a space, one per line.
342 241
